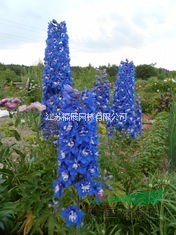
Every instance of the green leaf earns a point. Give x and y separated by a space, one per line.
6 172
19 153
13 133
51 225
17 122
16 135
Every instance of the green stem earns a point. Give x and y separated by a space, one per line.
132 221
161 219
77 227
109 146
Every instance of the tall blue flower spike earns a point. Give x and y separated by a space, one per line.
102 92
78 144
123 116
56 74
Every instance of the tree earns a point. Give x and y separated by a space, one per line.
145 71
7 76
112 70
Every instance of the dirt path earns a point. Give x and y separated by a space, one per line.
147 122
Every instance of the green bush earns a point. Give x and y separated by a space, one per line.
160 86
149 103
145 71
153 146
172 136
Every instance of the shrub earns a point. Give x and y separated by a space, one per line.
145 71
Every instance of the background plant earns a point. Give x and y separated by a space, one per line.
172 136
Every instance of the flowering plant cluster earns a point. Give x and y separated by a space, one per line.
10 103
77 138
124 101
77 151
102 92
56 73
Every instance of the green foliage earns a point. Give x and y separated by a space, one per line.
112 70
6 131
11 73
163 73
164 102
130 161
145 71
138 166
172 136
155 85
83 78
28 167
32 93
162 217
7 76
155 94
153 145
7 215
150 103
27 187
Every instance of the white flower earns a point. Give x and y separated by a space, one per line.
72 216
85 188
57 188
64 176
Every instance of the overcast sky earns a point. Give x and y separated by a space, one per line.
100 31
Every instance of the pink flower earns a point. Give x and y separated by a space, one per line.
100 194
16 100
22 108
10 105
4 101
37 105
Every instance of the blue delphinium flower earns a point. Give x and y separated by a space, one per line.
78 144
78 139
73 215
87 186
56 74
123 110
102 92
58 188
